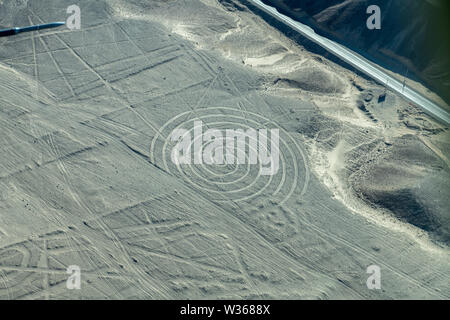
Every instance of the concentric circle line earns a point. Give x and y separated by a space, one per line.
201 172
238 190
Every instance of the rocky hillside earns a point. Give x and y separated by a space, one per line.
413 35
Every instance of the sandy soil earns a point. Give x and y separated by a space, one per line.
86 177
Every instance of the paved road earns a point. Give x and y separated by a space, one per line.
360 63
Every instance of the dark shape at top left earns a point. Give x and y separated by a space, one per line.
14 31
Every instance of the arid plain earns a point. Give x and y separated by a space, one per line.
86 176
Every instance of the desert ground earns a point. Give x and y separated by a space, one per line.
86 177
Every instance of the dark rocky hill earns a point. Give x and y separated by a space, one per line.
413 36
